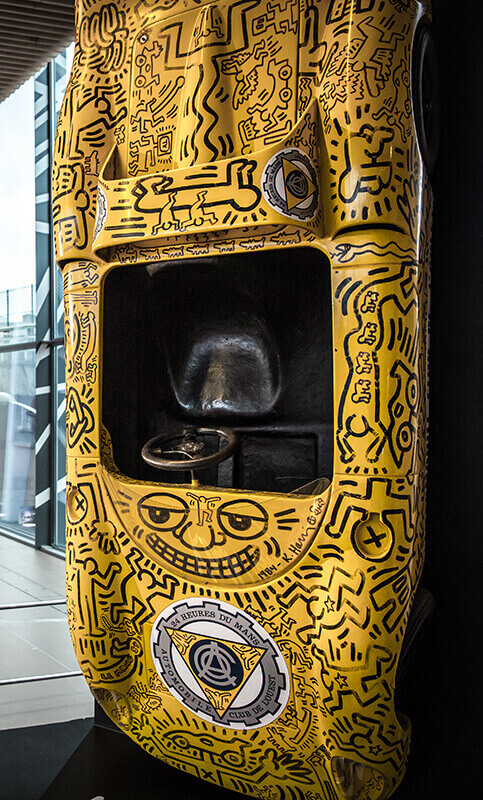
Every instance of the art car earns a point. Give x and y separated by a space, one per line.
242 216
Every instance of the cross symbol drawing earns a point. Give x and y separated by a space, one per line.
375 538
80 501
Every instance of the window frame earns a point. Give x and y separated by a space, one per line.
49 87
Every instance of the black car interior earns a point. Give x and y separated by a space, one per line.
242 342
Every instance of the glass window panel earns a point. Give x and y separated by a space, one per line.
17 315
62 68
58 304
61 72
59 533
17 217
17 441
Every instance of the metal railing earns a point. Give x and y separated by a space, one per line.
34 678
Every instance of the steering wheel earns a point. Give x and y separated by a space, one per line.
188 444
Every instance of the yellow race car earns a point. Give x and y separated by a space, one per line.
242 218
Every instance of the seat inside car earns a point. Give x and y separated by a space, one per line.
223 342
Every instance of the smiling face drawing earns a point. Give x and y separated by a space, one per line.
224 540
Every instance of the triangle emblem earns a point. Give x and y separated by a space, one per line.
298 185
220 667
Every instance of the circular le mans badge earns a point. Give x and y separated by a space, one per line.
289 184
220 663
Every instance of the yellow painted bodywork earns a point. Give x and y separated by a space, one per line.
178 121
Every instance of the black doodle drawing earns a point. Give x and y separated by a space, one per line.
80 418
174 142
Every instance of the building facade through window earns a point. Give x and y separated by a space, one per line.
32 383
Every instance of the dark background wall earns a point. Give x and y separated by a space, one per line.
442 694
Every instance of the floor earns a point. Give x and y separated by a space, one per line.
36 641
31 758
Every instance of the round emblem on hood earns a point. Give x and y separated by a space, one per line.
289 184
220 664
